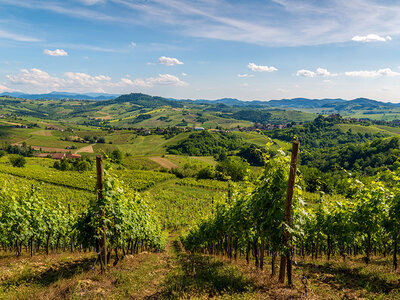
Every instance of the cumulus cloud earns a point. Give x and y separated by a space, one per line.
319 72
133 44
257 68
169 61
371 38
373 73
305 73
57 52
41 81
184 74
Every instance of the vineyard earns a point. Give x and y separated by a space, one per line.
28 220
64 234
137 180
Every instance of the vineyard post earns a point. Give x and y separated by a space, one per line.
103 244
72 237
286 260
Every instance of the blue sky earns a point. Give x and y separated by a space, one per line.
203 48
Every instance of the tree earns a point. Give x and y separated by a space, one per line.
236 169
117 156
17 161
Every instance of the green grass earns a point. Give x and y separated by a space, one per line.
150 145
357 128
395 130
200 161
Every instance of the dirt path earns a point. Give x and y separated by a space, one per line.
163 162
86 149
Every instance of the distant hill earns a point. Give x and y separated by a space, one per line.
61 96
142 100
337 104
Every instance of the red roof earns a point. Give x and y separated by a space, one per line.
57 155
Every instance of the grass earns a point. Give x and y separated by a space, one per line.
357 128
176 274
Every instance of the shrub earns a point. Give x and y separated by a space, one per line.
236 169
17 161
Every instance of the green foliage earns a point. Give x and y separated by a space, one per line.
206 143
369 157
117 156
127 218
321 133
257 116
141 118
252 154
136 180
250 213
234 169
79 164
17 160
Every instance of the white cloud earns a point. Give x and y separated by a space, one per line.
257 68
16 37
319 72
245 75
133 44
373 73
57 52
184 74
166 79
169 61
272 23
371 38
244 84
36 80
305 73
324 72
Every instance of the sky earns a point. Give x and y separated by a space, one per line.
203 49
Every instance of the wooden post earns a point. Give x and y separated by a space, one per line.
286 260
100 187
72 237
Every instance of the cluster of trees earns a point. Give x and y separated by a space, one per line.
320 133
94 139
78 164
206 143
23 150
368 157
234 169
252 115
141 118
